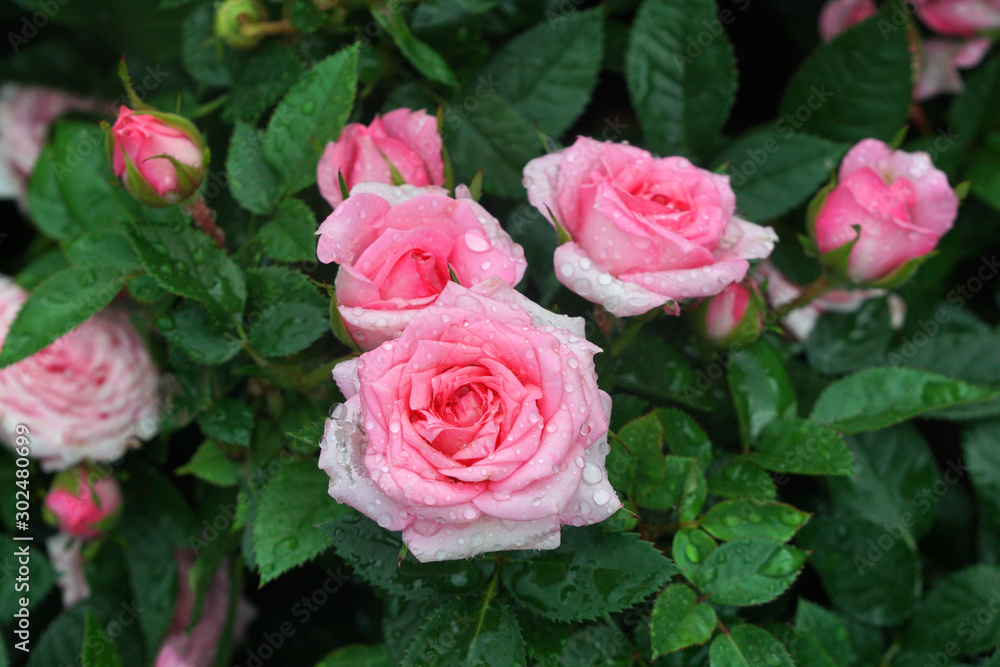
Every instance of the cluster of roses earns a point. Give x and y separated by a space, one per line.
473 421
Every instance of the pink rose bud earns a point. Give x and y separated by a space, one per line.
940 61
960 18
26 113
800 322
899 203
644 232
198 647
88 396
839 15
481 428
402 140
83 503
398 247
732 317
160 157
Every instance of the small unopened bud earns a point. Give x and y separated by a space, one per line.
732 317
81 503
230 18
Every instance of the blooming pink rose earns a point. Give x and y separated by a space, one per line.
800 322
839 15
87 396
66 558
646 232
82 505
901 202
26 113
148 140
480 429
198 648
960 18
732 317
940 62
397 246
408 140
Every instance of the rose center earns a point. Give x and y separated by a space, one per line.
415 274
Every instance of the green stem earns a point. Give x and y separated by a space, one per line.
209 107
821 286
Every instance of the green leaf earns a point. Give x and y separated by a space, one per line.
742 479
750 518
748 646
682 98
261 80
286 314
308 117
821 639
211 464
98 651
202 53
284 528
592 573
894 481
679 620
683 435
984 171
859 85
869 570
48 209
772 173
879 397
357 655
761 389
427 61
544 640
802 447
192 329
305 16
659 371
549 71
229 421
959 611
970 112
57 305
187 262
108 248
291 235
252 182
690 549
494 135
749 571
983 461
59 643
467 633
307 436
41 268
601 645
844 342
374 552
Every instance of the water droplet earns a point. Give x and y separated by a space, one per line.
308 107
592 474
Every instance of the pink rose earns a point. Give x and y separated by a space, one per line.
839 15
960 18
408 140
83 503
198 647
66 558
160 157
26 113
732 317
397 247
480 429
645 232
88 396
800 322
940 62
901 203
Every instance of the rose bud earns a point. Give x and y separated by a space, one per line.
839 15
481 428
233 19
402 140
26 113
644 232
90 395
734 317
780 291
960 18
885 215
197 646
66 558
82 503
398 246
160 157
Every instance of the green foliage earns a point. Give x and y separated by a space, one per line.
748 646
750 518
680 620
469 633
748 571
761 389
98 651
291 235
